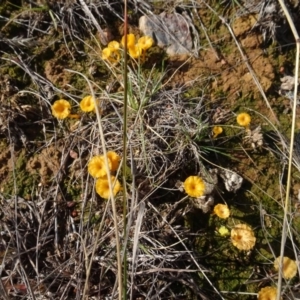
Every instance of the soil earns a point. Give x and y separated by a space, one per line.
221 71
37 151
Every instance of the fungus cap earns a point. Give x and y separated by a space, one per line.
61 109
267 293
87 104
102 187
223 231
194 186
106 52
130 40
111 54
114 45
97 167
217 130
243 119
289 267
145 42
135 51
222 211
115 160
242 237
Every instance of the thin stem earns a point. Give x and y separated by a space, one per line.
287 204
125 76
112 198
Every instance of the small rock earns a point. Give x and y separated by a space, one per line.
232 180
288 83
254 137
170 31
73 154
205 203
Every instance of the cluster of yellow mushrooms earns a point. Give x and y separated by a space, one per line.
61 109
242 235
243 119
135 49
101 167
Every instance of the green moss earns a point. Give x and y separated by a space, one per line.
73 191
16 75
193 92
9 7
25 182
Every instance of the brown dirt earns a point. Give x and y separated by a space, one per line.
220 71
228 72
47 163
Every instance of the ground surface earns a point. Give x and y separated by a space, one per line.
43 160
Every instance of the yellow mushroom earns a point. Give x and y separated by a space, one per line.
61 109
194 186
